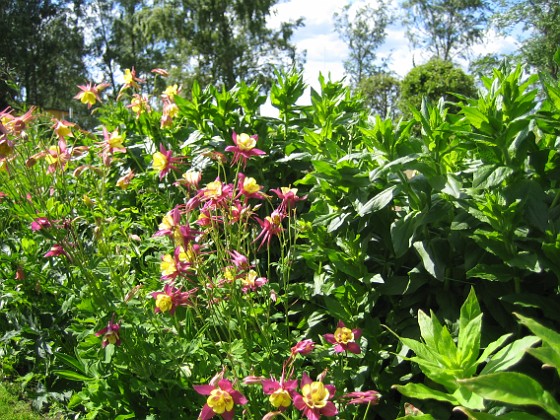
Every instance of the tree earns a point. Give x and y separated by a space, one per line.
364 35
380 92
433 80
445 28
540 21
43 47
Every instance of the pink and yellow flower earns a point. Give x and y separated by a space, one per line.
245 147
281 393
110 334
303 347
90 93
163 161
344 339
221 400
313 401
271 226
363 397
252 282
62 128
171 297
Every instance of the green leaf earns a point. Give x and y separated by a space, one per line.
509 355
548 355
432 264
380 200
548 336
402 231
72 376
492 347
513 388
422 392
513 415
71 362
470 330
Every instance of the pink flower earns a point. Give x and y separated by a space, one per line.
163 161
90 94
281 392
40 223
271 226
240 261
244 148
110 334
62 128
314 399
288 197
344 339
248 187
303 347
56 251
221 400
252 282
363 397
171 298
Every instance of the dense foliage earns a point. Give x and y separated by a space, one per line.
192 257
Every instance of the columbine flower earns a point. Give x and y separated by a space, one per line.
248 187
130 79
240 261
314 399
221 400
56 251
271 226
40 223
164 161
170 298
15 125
252 282
303 347
244 147
90 94
363 397
110 334
344 339
288 196
139 104
161 72
191 179
124 180
280 393
62 128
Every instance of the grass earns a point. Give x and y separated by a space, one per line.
12 408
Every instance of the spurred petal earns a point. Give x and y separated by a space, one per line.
354 348
206 413
329 409
204 389
238 397
298 402
330 338
227 415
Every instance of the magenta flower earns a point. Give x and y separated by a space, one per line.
288 196
110 334
252 282
303 347
56 251
244 148
163 161
344 339
171 298
40 223
89 94
248 187
281 393
314 399
271 226
240 261
363 397
221 400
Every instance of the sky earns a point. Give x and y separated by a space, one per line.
326 51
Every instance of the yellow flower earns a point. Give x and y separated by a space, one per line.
88 98
164 302
246 142
220 401
171 91
160 161
116 140
128 77
250 185
343 335
167 265
213 189
315 394
280 398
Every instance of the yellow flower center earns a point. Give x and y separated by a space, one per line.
52 158
286 190
167 265
250 185
315 395
246 142
116 139
250 278
164 302
220 401
128 78
62 130
229 273
172 110
160 161
111 337
136 105
280 398
274 219
213 189
343 335
88 97
171 91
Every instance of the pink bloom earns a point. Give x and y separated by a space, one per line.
130 79
90 94
314 399
344 339
303 347
62 128
288 197
56 251
252 282
110 334
271 226
15 125
171 226
281 393
244 148
163 161
161 72
221 400
240 261
171 298
363 397
124 180
40 223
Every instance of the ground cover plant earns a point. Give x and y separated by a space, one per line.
187 257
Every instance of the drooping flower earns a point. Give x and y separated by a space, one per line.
6 147
221 400
161 72
271 226
113 142
252 282
124 180
190 179
363 397
288 196
130 79
245 147
303 347
15 125
62 128
281 393
171 297
110 334
344 339
313 401
90 93
56 251
139 104
40 223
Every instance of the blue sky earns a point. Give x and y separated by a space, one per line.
326 51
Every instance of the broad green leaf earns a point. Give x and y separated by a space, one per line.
470 330
509 355
492 347
437 337
548 355
548 336
402 231
71 362
514 415
430 262
491 176
380 200
72 376
422 392
513 388
491 272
